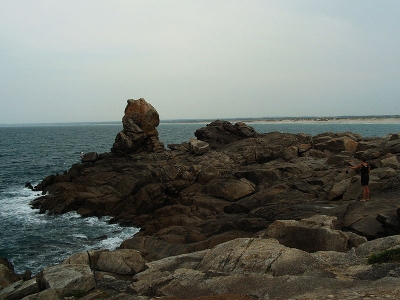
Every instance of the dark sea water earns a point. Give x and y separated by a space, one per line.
31 240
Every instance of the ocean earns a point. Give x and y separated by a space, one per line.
29 153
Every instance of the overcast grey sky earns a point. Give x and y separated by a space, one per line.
80 60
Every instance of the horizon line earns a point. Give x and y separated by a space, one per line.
201 120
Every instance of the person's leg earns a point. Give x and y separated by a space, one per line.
364 193
367 192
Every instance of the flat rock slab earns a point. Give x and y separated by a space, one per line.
361 216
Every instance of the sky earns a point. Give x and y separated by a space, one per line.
81 60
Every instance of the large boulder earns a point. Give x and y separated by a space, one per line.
256 256
67 279
336 142
391 162
242 266
139 132
20 289
140 116
7 274
89 157
49 294
378 245
392 146
231 190
220 133
361 217
121 261
312 234
264 269
198 147
339 188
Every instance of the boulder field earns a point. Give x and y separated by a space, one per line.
229 214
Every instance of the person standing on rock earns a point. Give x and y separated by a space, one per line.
365 170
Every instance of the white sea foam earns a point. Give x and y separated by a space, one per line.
80 236
113 242
15 204
49 239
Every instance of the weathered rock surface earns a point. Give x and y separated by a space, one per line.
231 191
312 234
243 268
7 275
20 289
223 132
198 147
68 278
90 157
139 129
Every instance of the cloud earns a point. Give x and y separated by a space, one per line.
81 60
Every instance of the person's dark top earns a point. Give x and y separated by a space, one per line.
364 174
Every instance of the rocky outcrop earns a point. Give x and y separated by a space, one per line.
312 234
220 133
243 268
139 129
20 290
231 185
68 279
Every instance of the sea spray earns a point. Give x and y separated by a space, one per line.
32 240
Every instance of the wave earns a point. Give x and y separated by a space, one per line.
32 241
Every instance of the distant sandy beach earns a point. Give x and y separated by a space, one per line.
293 120
355 120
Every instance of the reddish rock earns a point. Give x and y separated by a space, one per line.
139 132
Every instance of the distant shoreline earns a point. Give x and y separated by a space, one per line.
332 121
267 120
303 120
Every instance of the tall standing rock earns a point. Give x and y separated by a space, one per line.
139 133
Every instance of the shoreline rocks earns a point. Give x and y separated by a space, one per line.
290 192
253 268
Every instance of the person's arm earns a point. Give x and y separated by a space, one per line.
355 167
